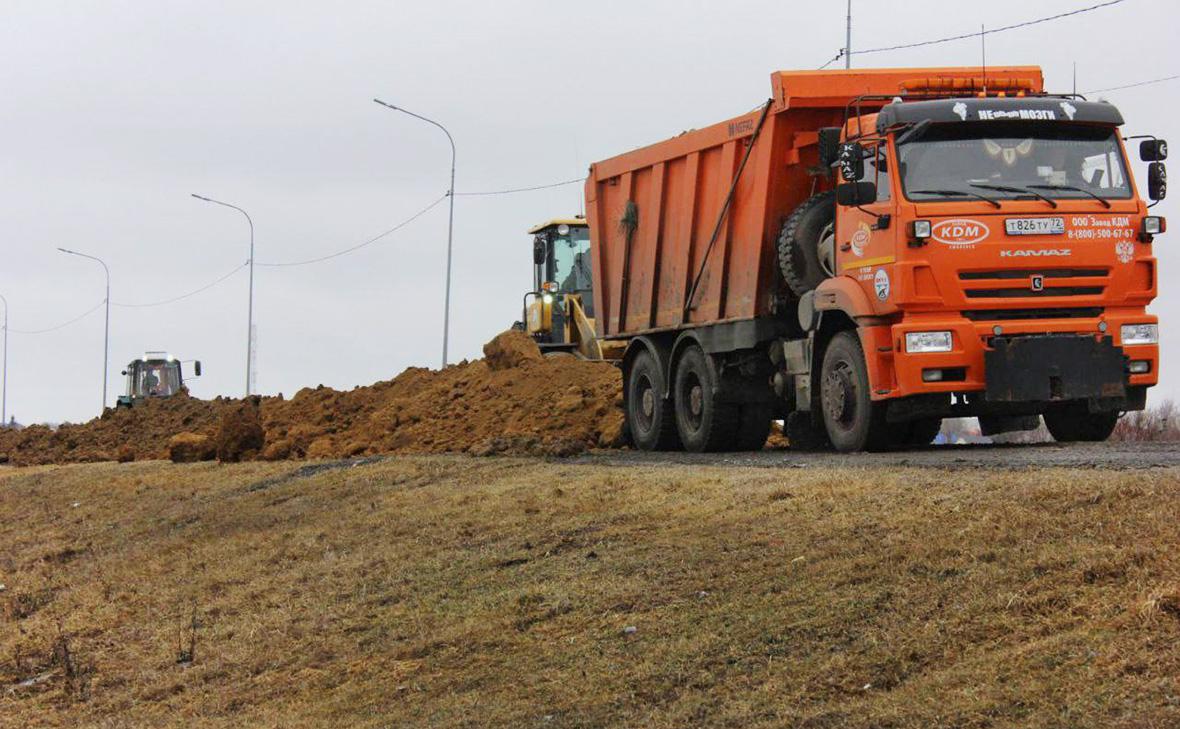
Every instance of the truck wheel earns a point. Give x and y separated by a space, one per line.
704 423
804 434
649 414
754 428
853 421
1079 424
806 245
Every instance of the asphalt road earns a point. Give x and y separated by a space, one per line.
1008 456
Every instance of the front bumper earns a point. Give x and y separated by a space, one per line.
1069 360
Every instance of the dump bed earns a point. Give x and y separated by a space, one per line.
665 257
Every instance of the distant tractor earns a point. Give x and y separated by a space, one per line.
156 374
560 315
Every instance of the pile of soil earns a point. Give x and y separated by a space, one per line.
514 401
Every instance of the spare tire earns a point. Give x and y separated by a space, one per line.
799 243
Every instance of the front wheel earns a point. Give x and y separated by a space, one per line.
1079 424
853 421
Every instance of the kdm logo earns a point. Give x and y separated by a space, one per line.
960 232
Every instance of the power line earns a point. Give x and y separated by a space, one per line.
64 324
1131 86
832 60
358 246
194 292
521 189
965 36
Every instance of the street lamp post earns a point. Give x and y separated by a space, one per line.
106 338
450 222
4 397
250 299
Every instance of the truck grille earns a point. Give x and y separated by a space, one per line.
1088 312
1082 282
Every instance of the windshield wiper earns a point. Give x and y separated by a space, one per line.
1099 198
914 133
964 193
1024 190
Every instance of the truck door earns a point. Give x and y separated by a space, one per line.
865 235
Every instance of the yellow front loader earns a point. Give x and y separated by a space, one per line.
559 311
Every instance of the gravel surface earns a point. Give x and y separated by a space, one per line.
1074 455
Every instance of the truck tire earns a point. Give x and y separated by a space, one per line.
799 242
650 419
1079 424
754 428
853 421
704 422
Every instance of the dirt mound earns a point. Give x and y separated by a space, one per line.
516 401
511 349
190 448
240 436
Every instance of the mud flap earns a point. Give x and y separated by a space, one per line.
1054 367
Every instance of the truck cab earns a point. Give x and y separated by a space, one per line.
155 375
996 256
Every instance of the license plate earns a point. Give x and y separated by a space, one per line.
1034 226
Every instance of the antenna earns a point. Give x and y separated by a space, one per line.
848 38
983 54
1075 78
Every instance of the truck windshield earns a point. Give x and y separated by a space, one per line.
1014 160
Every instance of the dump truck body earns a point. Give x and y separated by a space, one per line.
1021 292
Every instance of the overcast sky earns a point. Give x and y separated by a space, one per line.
114 112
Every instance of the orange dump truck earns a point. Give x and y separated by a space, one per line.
873 251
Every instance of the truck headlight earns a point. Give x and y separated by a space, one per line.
917 342
1140 334
1153 225
920 229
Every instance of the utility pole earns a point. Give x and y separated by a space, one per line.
4 397
106 339
250 297
450 223
848 39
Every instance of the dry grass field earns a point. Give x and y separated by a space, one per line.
456 591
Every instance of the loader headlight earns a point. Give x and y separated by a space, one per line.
918 342
1140 334
547 298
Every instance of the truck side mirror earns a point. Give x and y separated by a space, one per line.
1153 150
1157 181
829 145
855 194
197 368
124 373
852 161
539 249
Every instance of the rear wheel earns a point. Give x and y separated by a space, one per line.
853 421
649 414
1079 424
704 422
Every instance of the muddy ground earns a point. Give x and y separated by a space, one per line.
456 591
513 401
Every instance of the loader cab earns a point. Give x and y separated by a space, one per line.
561 260
559 311
155 375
